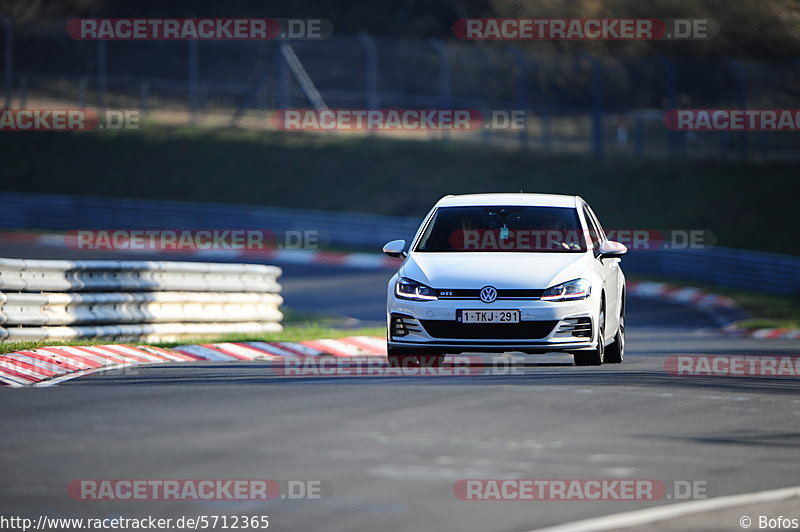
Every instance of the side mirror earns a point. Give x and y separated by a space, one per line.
396 248
610 249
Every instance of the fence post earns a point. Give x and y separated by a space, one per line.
522 92
193 75
23 91
261 99
144 98
82 93
102 74
444 76
545 114
671 100
8 27
444 73
370 70
282 81
597 105
638 136
741 85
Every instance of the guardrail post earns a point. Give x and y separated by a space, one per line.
370 70
102 74
8 72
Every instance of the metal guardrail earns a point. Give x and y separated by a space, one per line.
750 270
99 275
50 299
770 273
61 212
127 308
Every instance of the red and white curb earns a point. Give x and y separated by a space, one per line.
722 309
763 334
679 294
47 366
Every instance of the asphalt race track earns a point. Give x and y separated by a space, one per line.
392 448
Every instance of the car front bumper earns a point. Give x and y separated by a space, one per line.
544 327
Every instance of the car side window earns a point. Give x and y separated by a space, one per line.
594 235
426 232
600 231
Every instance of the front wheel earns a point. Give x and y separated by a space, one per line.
595 356
403 358
615 353
400 358
431 361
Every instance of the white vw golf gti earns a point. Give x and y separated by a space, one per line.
532 273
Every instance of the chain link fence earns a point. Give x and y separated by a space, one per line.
574 103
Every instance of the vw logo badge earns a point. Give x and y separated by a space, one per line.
488 294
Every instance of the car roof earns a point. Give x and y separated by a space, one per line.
533 200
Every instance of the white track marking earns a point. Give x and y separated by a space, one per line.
673 511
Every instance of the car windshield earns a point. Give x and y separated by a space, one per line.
503 229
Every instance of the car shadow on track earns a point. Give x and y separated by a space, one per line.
530 374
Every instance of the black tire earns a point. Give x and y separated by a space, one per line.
431 361
400 358
615 352
594 357
404 358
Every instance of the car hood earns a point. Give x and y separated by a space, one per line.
501 270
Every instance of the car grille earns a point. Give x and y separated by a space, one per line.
502 293
527 330
402 324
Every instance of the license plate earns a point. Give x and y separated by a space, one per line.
488 316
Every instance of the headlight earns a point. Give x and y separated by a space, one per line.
408 289
569 291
